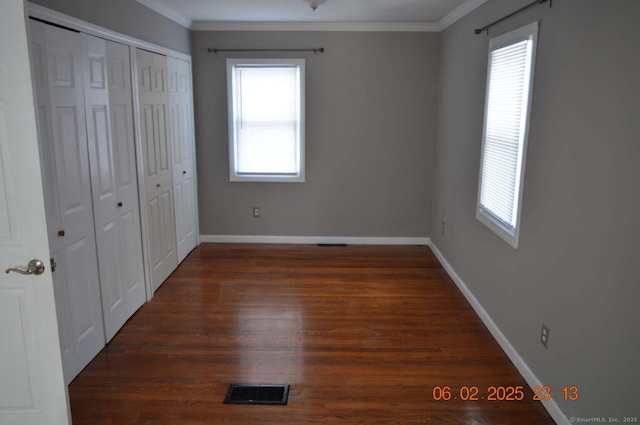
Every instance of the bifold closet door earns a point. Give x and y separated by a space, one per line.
183 151
58 57
117 225
123 142
38 51
158 182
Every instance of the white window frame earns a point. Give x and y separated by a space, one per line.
234 176
510 234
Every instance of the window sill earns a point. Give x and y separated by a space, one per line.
261 178
510 236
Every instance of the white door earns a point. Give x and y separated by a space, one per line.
103 182
182 144
37 38
124 157
113 180
32 390
154 100
78 266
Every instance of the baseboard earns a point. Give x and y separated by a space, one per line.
356 240
524 369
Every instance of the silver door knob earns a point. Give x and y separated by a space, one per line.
34 267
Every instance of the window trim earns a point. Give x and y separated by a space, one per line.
508 234
278 178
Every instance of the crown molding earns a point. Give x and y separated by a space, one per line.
465 8
316 26
459 12
167 12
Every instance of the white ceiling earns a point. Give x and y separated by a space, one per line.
433 14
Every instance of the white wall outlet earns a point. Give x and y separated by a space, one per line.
256 212
442 228
544 335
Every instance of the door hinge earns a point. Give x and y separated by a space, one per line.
53 266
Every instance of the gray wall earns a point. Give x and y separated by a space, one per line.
127 17
577 265
370 117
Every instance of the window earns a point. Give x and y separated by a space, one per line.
266 120
506 128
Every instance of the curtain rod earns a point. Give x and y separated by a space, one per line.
522 9
315 51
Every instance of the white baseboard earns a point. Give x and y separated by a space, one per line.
516 359
314 240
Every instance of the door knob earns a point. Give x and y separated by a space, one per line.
119 204
184 172
61 233
157 184
34 267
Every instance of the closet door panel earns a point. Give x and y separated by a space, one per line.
111 145
132 271
158 181
76 236
87 327
104 189
129 234
183 165
38 51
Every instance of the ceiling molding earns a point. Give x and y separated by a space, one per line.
459 12
316 26
465 8
167 12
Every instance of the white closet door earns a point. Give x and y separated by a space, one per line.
103 179
183 150
154 100
50 186
103 182
124 156
114 181
63 51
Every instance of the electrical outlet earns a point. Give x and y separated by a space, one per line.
256 212
442 228
544 335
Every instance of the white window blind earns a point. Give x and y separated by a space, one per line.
265 121
506 122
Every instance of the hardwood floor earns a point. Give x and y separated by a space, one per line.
363 334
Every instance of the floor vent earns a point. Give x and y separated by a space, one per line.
257 394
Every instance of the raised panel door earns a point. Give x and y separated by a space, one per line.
50 186
182 149
158 180
126 182
103 183
75 238
32 390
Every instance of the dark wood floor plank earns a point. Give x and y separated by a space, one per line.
363 334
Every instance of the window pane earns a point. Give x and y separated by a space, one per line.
267 150
266 117
507 102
